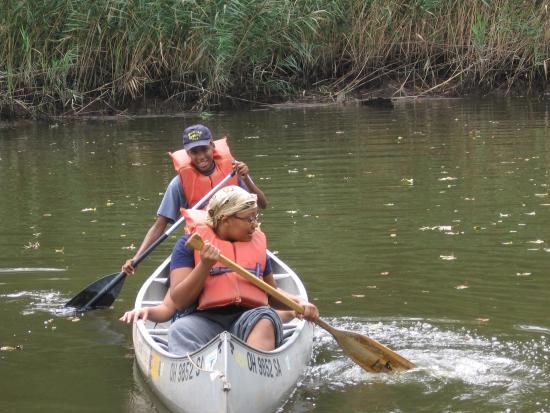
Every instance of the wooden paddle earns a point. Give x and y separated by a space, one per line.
365 351
103 292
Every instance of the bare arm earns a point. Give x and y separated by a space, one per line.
186 283
310 310
156 230
158 313
242 171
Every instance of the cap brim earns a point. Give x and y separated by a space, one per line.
196 144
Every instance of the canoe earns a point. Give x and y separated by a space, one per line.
226 375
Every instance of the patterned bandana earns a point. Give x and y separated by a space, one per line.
228 201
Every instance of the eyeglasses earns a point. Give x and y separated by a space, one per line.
251 220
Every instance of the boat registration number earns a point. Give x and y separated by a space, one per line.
267 367
185 370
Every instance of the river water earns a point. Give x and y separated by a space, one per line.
425 226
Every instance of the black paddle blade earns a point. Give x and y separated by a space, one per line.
105 299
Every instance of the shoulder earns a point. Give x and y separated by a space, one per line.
182 256
180 246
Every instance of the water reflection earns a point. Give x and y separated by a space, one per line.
427 223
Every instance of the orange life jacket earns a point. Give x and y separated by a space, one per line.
195 184
223 286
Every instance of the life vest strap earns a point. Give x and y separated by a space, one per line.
223 270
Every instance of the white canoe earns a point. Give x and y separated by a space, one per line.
226 375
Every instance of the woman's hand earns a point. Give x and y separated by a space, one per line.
135 315
311 312
209 254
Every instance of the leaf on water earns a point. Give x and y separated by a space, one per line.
447 257
11 348
32 245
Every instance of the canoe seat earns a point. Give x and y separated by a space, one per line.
157 331
150 303
288 330
280 276
162 280
161 341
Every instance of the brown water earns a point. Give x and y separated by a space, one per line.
426 227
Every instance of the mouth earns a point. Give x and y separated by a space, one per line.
203 165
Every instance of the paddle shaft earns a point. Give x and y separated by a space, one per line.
157 242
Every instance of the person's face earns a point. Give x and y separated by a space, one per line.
202 157
241 226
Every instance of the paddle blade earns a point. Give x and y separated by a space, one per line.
367 352
105 299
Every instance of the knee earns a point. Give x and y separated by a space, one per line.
262 336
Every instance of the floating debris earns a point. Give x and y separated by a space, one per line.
11 348
88 210
32 245
461 287
447 257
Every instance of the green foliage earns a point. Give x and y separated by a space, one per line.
62 56
479 28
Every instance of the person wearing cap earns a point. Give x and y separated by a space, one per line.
200 165
211 298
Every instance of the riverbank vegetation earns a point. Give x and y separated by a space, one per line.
74 56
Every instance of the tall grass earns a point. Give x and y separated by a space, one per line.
75 56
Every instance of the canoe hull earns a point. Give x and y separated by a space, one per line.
226 375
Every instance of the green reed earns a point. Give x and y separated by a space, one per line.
75 56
